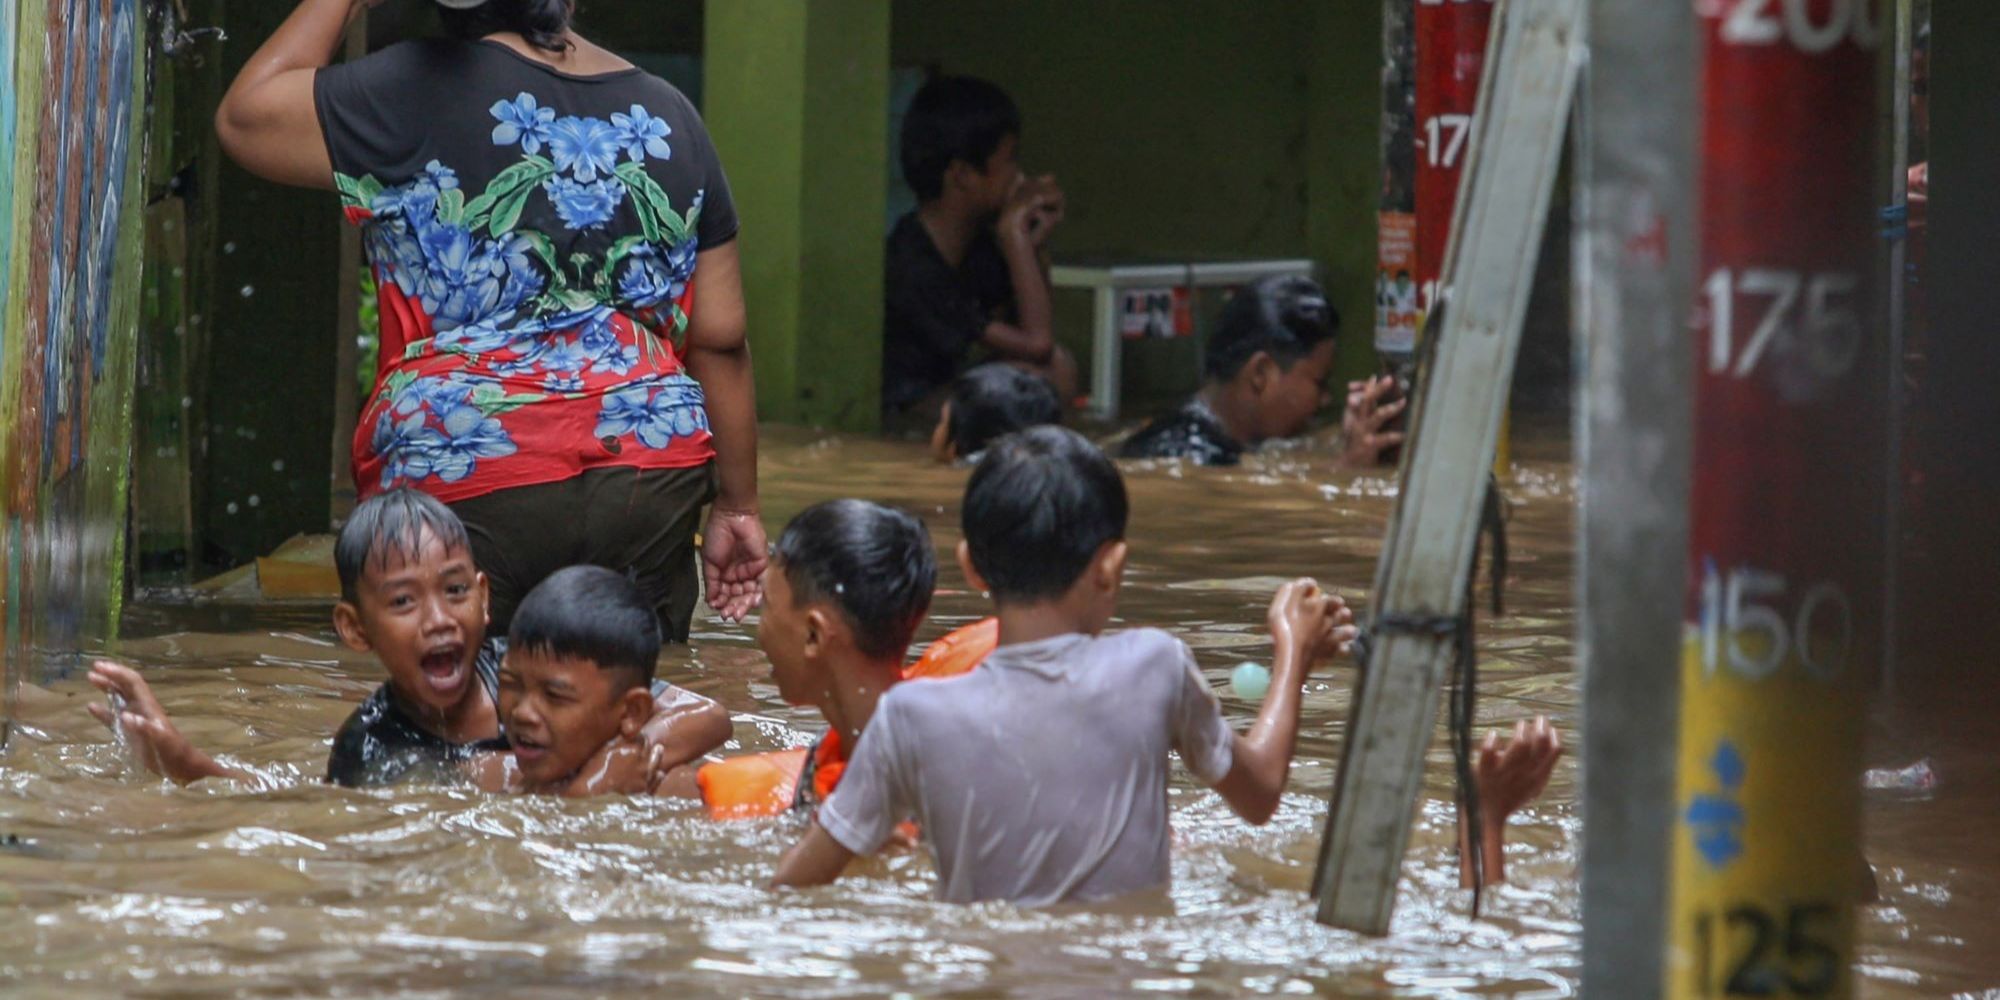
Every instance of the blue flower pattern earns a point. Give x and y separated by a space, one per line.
492 298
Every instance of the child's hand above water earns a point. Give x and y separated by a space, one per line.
1508 776
1314 623
622 767
154 739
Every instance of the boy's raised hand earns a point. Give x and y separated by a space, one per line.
1362 438
1513 775
159 746
1319 624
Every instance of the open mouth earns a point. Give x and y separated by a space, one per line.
528 752
444 667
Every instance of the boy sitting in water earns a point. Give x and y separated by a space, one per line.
576 681
849 583
989 402
1266 367
1040 777
411 595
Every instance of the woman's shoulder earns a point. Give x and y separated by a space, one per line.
416 59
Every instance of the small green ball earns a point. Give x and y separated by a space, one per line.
1250 681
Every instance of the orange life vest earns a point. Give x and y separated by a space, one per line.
770 784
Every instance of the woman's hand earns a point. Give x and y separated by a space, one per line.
734 554
1362 435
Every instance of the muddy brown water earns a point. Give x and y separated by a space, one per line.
115 883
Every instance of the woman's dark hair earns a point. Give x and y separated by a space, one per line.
1037 509
996 399
953 119
393 521
543 23
590 613
874 563
1285 317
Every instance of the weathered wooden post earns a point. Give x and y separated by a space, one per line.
1781 611
1634 289
1514 149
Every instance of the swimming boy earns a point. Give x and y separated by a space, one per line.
1040 777
989 402
577 680
411 595
966 267
848 585
1265 372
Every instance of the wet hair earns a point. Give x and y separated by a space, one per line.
874 563
1037 509
590 613
953 119
543 23
996 399
1284 316
393 521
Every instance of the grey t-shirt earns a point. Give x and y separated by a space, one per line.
1041 776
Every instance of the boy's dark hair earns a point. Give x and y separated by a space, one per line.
392 521
1037 509
996 399
874 563
590 613
543 23
953 119
1284 316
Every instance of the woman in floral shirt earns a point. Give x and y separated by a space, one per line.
563 352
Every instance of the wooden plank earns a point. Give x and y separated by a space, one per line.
1489 270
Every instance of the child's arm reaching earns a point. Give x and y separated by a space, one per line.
1509 777
817 859
1306 625
157 743
686 725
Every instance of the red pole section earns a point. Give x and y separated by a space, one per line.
1782 620
1451 56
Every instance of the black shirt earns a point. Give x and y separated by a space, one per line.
1190 432
933 312
380 744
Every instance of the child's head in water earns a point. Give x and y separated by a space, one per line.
849 580
1044 523
580 659
409 593
990 401
1271 353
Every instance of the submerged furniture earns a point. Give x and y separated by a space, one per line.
1137 297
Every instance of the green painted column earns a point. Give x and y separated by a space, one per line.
796 94
1344 168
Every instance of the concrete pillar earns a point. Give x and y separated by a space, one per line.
797 97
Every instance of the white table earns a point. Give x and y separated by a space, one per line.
1107 279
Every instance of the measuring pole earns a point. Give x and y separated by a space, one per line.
1634 253
1451 37
1427 557
1782 612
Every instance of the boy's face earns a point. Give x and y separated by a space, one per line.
424 617
561 710
787 635
995 181
1288 399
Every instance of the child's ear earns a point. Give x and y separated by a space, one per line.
819 627
347 624
971 575
1111 565
635 709
1262 371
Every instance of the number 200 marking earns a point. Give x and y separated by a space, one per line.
1754 22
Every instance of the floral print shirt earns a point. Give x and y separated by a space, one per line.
534 237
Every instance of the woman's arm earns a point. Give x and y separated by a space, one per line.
267 121
718 356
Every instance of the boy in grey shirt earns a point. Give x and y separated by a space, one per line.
1041 776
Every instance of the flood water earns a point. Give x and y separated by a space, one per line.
119 883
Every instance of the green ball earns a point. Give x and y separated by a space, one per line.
1250 681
